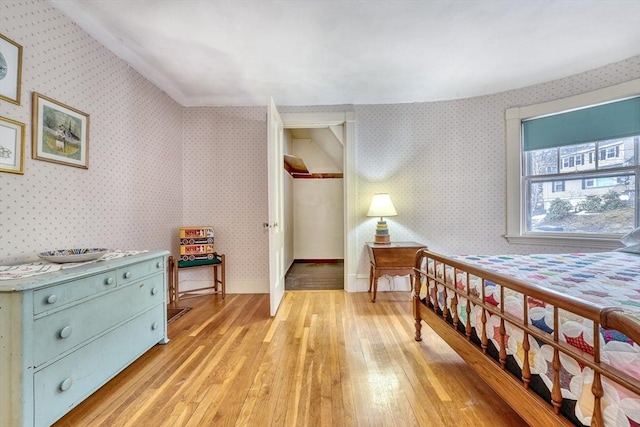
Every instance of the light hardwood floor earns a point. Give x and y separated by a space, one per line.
328 358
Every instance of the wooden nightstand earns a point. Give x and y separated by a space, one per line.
395 258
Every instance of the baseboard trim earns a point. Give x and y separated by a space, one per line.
319 261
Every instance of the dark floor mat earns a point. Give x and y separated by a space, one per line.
175 313
315 276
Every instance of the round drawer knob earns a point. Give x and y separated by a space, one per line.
66 384
108 281
154 326
154 291
159 264
51 299
65 332
127 275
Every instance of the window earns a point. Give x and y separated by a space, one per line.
568 162
571 161
573 169
610 153
606 182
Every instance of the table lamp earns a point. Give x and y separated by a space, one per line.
382 206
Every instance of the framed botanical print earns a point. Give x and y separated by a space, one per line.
11 146
10 70
60 133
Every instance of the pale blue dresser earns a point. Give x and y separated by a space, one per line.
65 334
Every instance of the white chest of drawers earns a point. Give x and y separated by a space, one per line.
65 334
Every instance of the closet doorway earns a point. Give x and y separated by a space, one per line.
293 121
314 207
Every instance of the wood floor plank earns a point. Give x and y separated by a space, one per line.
328 358
332 383
356 366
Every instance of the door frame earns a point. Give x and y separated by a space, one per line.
346 118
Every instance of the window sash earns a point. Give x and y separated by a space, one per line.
541 191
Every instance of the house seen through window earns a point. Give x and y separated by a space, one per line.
580 170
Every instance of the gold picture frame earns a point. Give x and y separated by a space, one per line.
10 70
12 136
60 133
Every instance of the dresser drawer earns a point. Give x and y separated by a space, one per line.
133 272
60 386
60 331
65 293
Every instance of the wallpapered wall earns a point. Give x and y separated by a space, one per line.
225 185
130 197
442 162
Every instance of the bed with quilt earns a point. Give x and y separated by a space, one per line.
555 335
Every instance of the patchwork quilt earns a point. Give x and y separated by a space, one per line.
606 279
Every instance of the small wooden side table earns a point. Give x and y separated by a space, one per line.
395 258
219 278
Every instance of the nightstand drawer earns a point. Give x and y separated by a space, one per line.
135 271
59 387
65 329
60 295
395 257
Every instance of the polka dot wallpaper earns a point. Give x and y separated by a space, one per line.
225 184
131 195
155 166
443 164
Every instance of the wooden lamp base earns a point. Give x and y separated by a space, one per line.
382 233
382 239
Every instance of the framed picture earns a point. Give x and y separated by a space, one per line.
10 70
11 146
60 133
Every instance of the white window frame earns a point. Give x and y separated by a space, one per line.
568 162
597 183
516 230
613 152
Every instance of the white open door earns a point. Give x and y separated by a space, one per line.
275 140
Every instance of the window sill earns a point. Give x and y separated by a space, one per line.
582 242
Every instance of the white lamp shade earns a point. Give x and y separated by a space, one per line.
381 206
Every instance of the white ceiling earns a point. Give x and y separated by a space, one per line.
328 52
